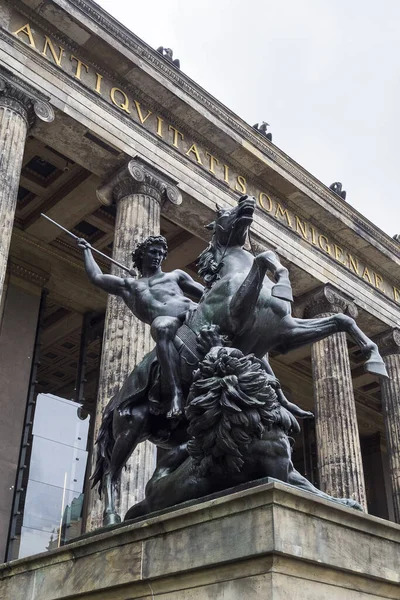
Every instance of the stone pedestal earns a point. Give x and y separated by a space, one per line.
270 541
19 107
138 193
389 346
340 466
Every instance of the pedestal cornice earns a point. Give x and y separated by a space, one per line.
328 300
138 178
227 546
23 99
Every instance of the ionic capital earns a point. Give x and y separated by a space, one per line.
389 342
139 178
328 300
24 100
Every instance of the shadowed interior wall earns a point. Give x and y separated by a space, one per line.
17 337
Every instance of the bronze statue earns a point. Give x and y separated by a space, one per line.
238 433
337 188
262 128
169 55
241 307
156 298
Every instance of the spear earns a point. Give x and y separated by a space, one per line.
89 246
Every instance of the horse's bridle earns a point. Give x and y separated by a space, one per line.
229 239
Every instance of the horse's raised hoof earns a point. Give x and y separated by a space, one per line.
376 367
282 291
111 519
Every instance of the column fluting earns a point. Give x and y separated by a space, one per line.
389 346
340 465
138 195
18 111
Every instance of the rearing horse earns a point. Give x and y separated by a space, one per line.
249 307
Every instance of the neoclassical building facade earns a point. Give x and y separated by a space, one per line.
107 136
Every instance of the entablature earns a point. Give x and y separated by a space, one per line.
90 27
84 26
234 160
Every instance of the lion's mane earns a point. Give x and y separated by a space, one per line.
232 402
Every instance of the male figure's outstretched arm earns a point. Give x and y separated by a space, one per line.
109 283
189 286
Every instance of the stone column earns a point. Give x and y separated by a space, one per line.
389 346
19 106
340 465
138 192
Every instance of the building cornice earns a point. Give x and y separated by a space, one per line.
149 102
254 141
152 57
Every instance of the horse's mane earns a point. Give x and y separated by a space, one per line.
207 266
232 401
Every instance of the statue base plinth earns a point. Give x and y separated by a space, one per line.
269 541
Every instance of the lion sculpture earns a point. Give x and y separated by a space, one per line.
239 432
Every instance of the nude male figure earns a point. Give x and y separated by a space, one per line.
156 298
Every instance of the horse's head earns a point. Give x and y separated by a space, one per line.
231 225
229 229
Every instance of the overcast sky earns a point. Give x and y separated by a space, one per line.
324 74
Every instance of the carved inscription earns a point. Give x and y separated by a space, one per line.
157 124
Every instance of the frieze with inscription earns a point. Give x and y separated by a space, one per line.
91 78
